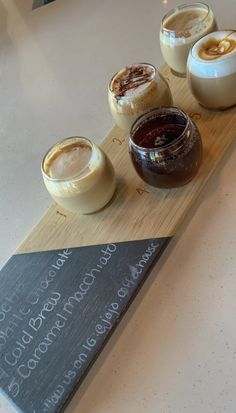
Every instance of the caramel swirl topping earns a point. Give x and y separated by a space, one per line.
213 49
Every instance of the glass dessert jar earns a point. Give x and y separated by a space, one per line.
165 147
180 29
78 175
134 90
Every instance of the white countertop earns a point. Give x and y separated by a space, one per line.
175 350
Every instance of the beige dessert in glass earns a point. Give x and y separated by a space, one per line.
180 29
134 90
212 70
78 175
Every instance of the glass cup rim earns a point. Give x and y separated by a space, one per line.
184 6
163 148
156 71
65 140
225 57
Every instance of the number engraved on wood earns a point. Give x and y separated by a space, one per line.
118 141
195 115
141 191
60 213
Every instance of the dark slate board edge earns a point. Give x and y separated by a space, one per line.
61 408
9 401
72 248
85 246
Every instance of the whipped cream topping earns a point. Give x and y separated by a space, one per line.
132 80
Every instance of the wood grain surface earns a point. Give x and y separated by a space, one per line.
138 211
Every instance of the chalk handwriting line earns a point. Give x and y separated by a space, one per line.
106 338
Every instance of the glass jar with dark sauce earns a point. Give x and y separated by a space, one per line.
165 147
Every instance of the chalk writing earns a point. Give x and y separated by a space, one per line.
15 357
104 323
24 370
89 279
56 331
15 315
35 323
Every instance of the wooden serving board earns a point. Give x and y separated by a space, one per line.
72 279
138 212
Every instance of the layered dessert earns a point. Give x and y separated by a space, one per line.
135 90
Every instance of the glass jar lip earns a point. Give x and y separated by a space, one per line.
181 7
126 67
166 111
50 150
219 62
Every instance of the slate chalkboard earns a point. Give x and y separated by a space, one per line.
57 309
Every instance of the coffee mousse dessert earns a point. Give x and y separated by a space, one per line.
180 29
212 70
78 175
134 90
